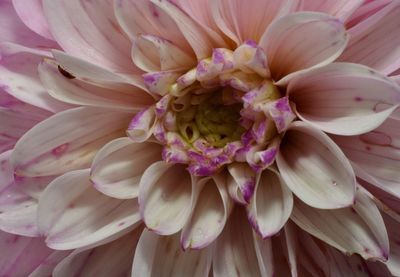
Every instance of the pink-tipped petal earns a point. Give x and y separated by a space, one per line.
209 216
116 173
343 98
241 182
73 214
165 197
374 41
162 256
315 168
142 125
357 229
66 141
271 205
302 41
339 8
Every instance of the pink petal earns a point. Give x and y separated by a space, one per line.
302 41
111 259
32 14
339 8
393 262
367 9
142 125
358 229
344 99
265 255
48 265
234 252
271 205
89 30
315 168
165 197
209 215
77 92
241 182
73 214
66 141
116 173
374 41
242 21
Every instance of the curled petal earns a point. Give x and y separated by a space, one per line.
241 182
142 125
315 168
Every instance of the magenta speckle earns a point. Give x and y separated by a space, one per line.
358 99
60 150
121 223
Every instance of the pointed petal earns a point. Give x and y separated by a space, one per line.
66 141
340 8
233 17
117 167
165 197
73 214
77 92
315 168
241 182
162 256
271 205
374 41
302 41
210 214
235 254
343 98
358 229
111 259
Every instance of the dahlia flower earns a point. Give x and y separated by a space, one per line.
195 137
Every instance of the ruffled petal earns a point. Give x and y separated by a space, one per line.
234 252
339 8
358 229
343 98
73 214
66 141
165 197
162 256
271 205
374 41
210 213
302 41
117 167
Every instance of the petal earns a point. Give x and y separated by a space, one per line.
165 197
271 205
89 30
315 168
374 41
241 182
162 256
234 251
243 21
344 99
142 125
265 255
302 41
210 213
358 229
119 165
77 92
393 262
66 141
48 265
376 155
111 259
340 8
73 214
152 53
32 14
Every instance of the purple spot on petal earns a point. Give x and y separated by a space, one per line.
59 150
358 99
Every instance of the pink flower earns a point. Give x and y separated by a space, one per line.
232 138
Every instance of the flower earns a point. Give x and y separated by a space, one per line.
252 138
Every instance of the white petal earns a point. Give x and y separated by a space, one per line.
241 182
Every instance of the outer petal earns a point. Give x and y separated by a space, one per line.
344 99
265 255
248 20
358 229
393 262
77 92
48 265
374 41
162 256
210 213
87 29
111 259
165 197
119 165
315 168
339 8
234 253
271 205
302 41
66 141
73 214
